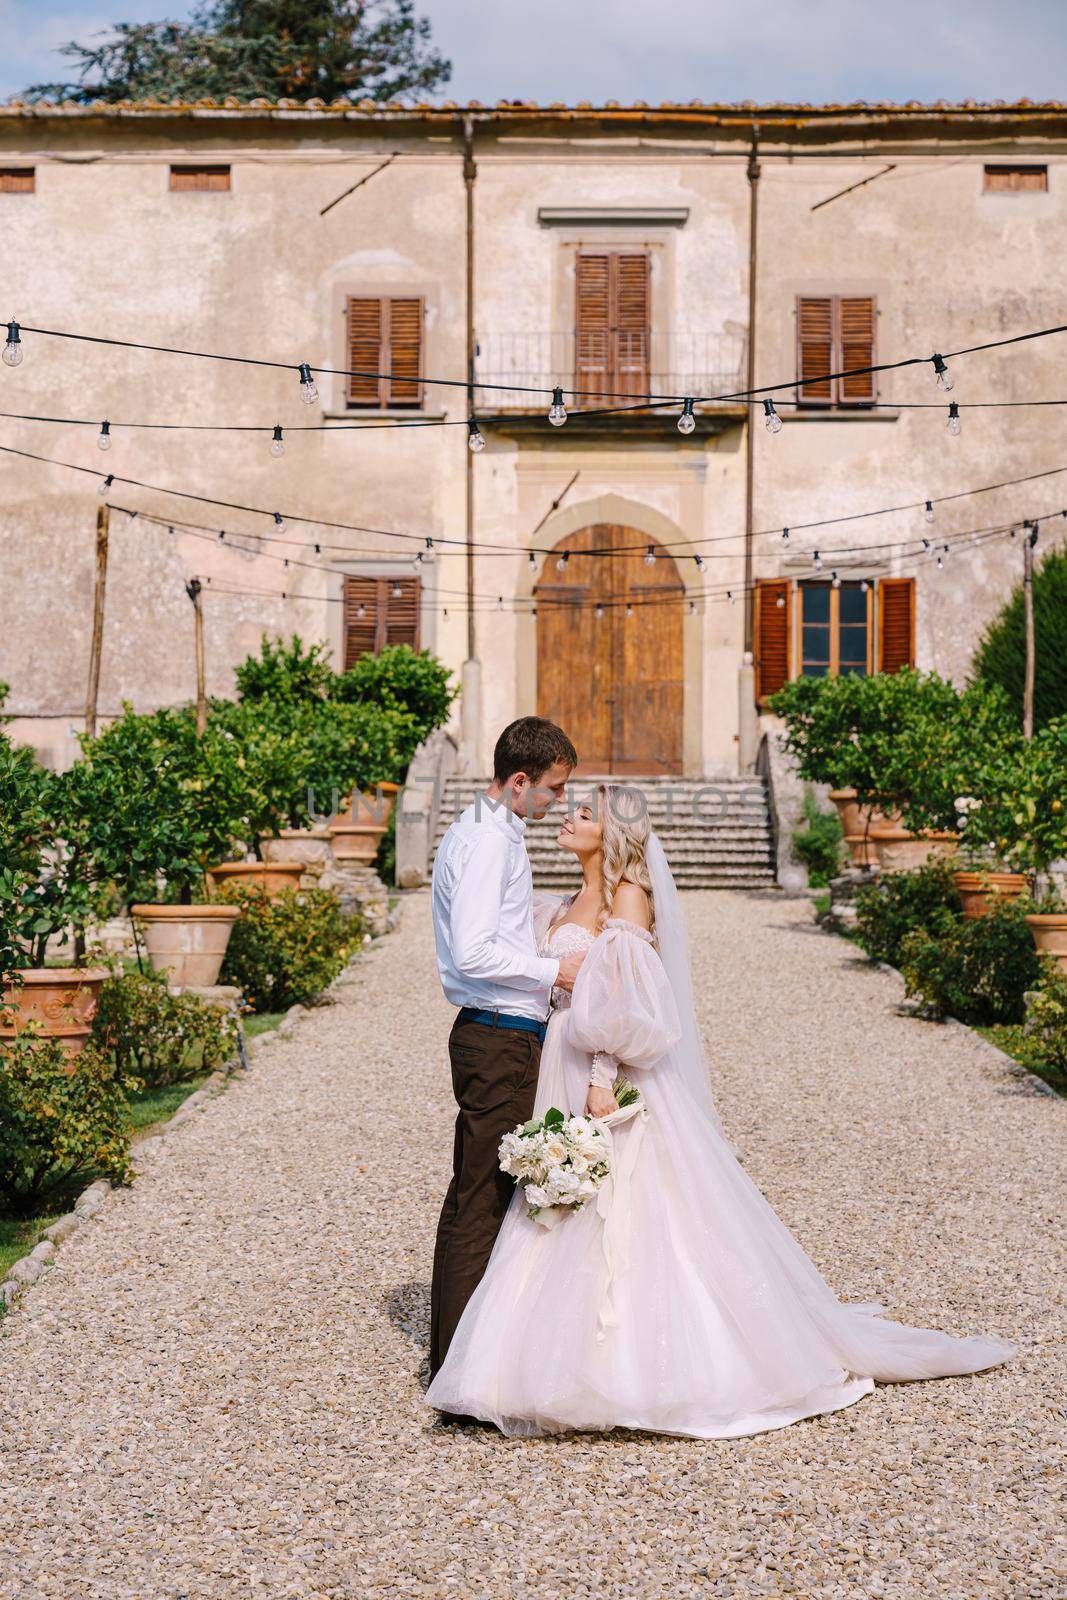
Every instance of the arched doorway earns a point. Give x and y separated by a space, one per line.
615 682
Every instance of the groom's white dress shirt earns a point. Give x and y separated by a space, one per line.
483 915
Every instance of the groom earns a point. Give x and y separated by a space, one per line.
489 967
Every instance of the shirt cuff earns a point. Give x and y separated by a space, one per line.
604 1070
550 967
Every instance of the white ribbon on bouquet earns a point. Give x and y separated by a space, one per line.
613 1204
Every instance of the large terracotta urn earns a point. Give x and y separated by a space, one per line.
187 942
62 1001
898 850
273 877
355 841
853 818
1049 930
980 891
861 850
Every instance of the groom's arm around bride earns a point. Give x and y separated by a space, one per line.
490 969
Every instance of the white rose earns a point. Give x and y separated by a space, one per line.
536 1196
555 1152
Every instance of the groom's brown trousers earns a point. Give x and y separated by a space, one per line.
494 1077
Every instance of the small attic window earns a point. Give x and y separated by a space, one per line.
1013 178
194 178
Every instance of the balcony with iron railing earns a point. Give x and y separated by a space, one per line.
607 370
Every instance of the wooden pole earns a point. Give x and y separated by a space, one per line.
1028 611
753 174
192 589
103 523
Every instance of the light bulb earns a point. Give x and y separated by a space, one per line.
13 347
104 441
279 521
731 596
780 602
277 444
500 602
105 483
944 376
475 441
650 557
285 564
429 554
318 549
308 392
929 513
533 561
222 536
629 611
599 612
397 591
771 420
692 608
954 424
835 581
701 563
361 611
561 564
785 535
557 411
817 559
940 565
864 586
687 422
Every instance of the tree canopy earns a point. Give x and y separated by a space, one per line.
1001 655
250 49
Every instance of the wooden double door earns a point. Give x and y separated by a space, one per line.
614 680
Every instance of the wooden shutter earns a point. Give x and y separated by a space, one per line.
403 350
631 324
592 295
387 618
365 351
815 348
855 348
1015 179
896 624
198 179
17 180
384 337
771 635
835 333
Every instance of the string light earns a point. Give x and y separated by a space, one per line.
817 561
475 441
104 441
222 536
944 376
687 422
561 564
13 347
557 411
730 596
533 561
700 563
599 612
940 563
629 610
397 590
429 554
780 602
105 484
785 535
650 557
835 581
279 520
277 444
864 586
361 611
771 420
954 425
928 546
308 392
929 513
500 602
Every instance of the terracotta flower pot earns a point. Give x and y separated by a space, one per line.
1049 930
308 846
900 851
273 877
853 819
61 1000
861 850
188 942
372 806
355 841
979 890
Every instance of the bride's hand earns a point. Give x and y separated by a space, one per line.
599 1102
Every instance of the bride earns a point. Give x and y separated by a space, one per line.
677 1302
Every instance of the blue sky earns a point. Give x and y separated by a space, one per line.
674 49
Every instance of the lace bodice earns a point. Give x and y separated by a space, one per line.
564 940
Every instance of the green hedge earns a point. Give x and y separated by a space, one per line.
1001 656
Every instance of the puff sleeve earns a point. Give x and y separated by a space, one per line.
623 1005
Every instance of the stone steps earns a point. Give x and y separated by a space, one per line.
716 832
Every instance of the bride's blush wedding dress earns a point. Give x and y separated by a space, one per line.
681 1304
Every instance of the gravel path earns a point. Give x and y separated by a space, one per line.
215 1390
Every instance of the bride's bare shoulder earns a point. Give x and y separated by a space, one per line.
632 905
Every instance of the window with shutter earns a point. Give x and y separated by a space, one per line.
835 333
1007 178
612 323
384 351
896 624
193 178
771 636
17 180
379 612
835 629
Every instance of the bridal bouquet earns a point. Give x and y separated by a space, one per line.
562 1161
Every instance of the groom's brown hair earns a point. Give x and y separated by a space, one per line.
531 745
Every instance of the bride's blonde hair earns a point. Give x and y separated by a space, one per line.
625 830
